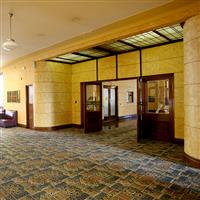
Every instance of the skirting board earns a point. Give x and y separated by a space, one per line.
192 161
53 128
178 141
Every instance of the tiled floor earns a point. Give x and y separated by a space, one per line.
69 164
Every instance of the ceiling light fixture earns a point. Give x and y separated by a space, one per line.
10 43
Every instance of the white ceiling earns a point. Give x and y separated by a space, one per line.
38 24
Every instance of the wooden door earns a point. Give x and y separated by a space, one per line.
139 109
110 103
29 106
156 108
92 105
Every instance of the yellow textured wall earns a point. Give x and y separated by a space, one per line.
129 65
81 72
168 59
16 77
124 86
52 94
57 86
107 68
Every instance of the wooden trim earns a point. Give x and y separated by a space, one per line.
158 76
134 116
178 141
107 80
192 161
82 85
53 128
116 102
77 126
27 87
27 102
139 108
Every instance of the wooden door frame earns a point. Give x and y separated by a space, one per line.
139 108
82 86
116 100
83 99
27 107
141 105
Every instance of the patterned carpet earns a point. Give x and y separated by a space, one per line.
71 165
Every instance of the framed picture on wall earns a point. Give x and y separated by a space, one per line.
13 96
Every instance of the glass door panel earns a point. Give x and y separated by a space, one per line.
112 102
109 103
92 107
156 107
92 97
105 102
158 96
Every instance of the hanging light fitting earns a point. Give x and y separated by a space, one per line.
10 43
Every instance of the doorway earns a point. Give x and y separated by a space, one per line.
110 103
156 119
29 106
122 111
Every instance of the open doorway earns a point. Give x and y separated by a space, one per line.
119 102
146 105
110 103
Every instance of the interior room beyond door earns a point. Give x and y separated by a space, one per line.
109 103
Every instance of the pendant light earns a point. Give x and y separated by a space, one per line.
10 43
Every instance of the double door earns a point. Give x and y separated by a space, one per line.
155 107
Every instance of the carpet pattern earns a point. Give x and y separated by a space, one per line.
110 165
